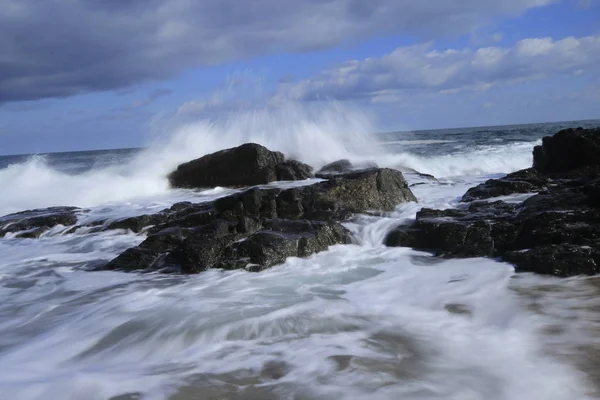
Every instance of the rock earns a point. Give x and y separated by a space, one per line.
569 154
562 260
247 165
335 168
524 181
359 191
218 245
447 233
568 150
137 224
335 199
148 255
33 223
282 239
555 232
261 227
293 170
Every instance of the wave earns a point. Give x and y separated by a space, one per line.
313 135
475 161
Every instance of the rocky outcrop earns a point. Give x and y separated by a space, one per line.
246 165
555 231
32 223
570 154
569 150
260 227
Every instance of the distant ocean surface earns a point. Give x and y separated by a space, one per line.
358 321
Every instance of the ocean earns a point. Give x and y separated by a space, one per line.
358 321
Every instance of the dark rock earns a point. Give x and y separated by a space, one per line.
337 198
293 170
568 150
556 231
261 227
447 233
36 222
561 260
335 168
370 189
218 245
525 181
246 165
147 256
137 224
285 239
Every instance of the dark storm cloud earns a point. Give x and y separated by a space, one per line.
57 48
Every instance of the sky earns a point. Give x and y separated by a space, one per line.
96 74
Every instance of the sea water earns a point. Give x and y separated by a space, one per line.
358 321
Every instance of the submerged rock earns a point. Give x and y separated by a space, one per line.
32 223
246 165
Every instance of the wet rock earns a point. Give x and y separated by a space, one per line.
246 165
137 224
556 231
35 222
261 227
148 255
282 239
293 170
335 168
359 191
447 233
220 245
525 181
568 150
561 260
335 199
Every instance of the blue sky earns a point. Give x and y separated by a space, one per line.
108 74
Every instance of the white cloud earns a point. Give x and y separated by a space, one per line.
56 48
419 68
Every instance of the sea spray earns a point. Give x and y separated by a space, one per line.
315 135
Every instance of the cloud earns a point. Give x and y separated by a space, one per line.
420 69
57 48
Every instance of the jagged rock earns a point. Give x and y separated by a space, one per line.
32 223
246 165
568 150
569 154
219 245
334 199
261 227
556 231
